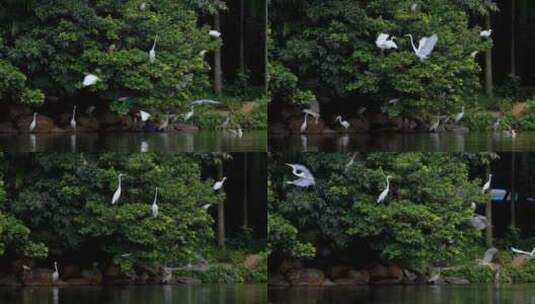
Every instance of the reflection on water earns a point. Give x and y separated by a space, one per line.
394 142
255 141
470 294
209 294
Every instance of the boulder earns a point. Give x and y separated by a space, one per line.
7 128
45 124
306 277
337 271
294 125
519 261
384 273
360 276
37 277
186 128
70 271
278 280
79 282
9 280
456 281
187 281
88 123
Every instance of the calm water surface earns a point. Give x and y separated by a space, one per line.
254 141
206 294
470 294
427 142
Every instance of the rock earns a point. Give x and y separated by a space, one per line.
44 124
278 280
328 283
248 108
287 265
456 281
252 261
9 280
383 273
187 281
346 282
294 125
79 282
186 128
70 271
337 271
37 277
359 125
93 276
306 277
360 276
519 261
16 110
88 123
7 128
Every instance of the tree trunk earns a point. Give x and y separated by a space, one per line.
513 29
266 48
220 214
488 64
245 188
218 74
242 37
488 215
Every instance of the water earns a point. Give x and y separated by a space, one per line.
205 294
469 294
395 142
254 141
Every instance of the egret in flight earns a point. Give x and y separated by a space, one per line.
312 113
486 33
90 80
219 184
306 179
154 204
152 52
530 254
426 46
303 127
459 116
33 124
199 102
383 194
55 274
73 118
486 186
214 34
117 194
342 122
384 43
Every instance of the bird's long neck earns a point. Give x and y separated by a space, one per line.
412 43
154 44
73 111
56 266
387 183
156 195
119 181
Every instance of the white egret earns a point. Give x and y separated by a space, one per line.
154 206
384 43
479 222
236 132
303 127
144 147
152 52
352 160
144 115
90 80
117 194
164 124
512 132
188 114
73 118
414 7
474 54
473 205
530 254
426 46
203 102
55 274
496 125
225 123
486 33
26 267
143 6
486 186
383 194
206 206
202 53
459 116
342 122
312 113
393 101
306 179
33 124
214 34
219 184
434 126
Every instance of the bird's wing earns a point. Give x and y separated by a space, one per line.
519 251
306 172
204 101
381 39
302 182
427 44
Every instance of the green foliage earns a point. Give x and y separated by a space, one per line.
283 84
527 123
14 86
330 46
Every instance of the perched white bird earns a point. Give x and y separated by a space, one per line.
55 274
202 53
164 124
342 122
33 124
479 222
144 115
144 146
512 132
496 125
434 126
426 46
73 118
143 6
90 80
384 43
414 7
152 52
214 34
225 123
473 205
303 127
117 194
312 113
154 206
238 132
206 206
189 114
219 184
474 54
459 116
486 33
523 252
383 194
306 179
486 186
